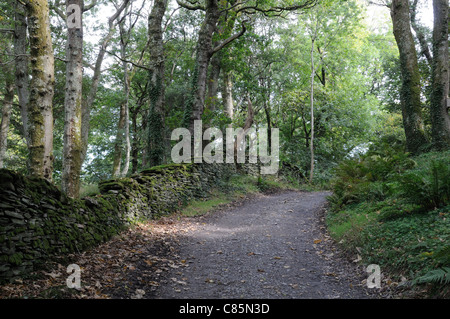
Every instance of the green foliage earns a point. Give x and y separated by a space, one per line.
442 256
437 276
89 190
395 208
428 187
370 177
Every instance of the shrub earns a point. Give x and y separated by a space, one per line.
428 187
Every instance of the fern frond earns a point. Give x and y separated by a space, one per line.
437 276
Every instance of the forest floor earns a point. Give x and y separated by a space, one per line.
264 246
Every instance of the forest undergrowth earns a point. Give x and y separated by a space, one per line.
393 210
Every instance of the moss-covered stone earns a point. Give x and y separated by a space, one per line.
51 224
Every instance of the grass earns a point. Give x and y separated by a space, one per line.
236 188
202 207
89 190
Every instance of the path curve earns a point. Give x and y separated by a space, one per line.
271 247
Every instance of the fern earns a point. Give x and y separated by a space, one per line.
437 276
443 256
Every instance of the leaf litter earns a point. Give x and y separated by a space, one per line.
128 266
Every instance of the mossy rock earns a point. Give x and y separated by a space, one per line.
110 185
163 169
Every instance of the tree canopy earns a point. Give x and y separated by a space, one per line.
329 74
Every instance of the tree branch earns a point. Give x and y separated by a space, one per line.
89 7
225 42
277 9
191 5
59 12
425 50
128 61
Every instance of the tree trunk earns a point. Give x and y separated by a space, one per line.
440 77
119 142
72 149
410 91
40 113
21 65
135 143
213 82
196 102
249 120
6 116
126 93
227 94
311 144
156 119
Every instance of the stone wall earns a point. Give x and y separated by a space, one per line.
38 222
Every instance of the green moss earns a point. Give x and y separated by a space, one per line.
168 168
156 192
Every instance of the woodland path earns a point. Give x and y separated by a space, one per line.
271 246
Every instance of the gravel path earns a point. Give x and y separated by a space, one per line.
272 246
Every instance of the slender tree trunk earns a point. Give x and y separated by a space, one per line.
126 165
213 82
311 144
249 120
144 127
126 92
425 51
135 143
410 92
156 119
227 94
72 149
40 112
6 116
21 65
440 77
119 142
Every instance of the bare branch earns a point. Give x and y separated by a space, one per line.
128 61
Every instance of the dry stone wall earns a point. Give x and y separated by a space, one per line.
38 222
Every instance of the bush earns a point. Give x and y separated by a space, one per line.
430 187
395 209
369 178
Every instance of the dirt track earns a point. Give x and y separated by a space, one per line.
271 246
